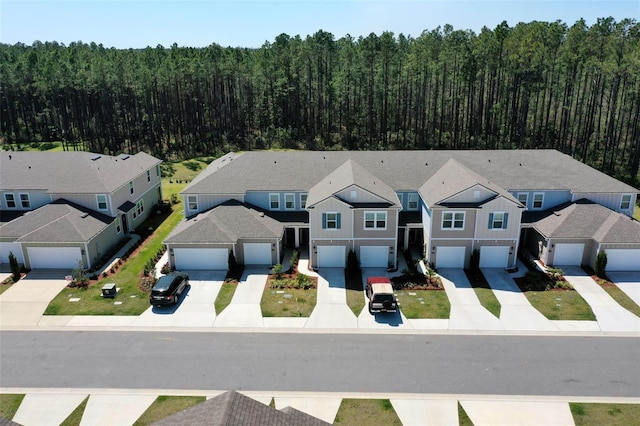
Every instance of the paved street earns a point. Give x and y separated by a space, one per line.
314 362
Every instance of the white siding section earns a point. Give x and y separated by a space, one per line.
331 205
498 205
611 201
362 196
469 195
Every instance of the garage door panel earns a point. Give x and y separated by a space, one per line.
54 257
374 256
568 254
201 259
623 259
450 257
494 257
257 254
331 256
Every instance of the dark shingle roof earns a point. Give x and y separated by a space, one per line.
70 172
401 170
348 174
585 219
234 409
226 223
57 222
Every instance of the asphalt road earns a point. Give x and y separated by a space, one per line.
509 365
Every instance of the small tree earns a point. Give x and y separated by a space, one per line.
80 279
15 268
601 263
277 270
232 264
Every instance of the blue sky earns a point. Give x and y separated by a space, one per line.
249 23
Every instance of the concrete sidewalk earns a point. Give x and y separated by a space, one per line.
609 314
629 282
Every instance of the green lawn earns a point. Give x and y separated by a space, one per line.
165 406
9 404
360 412
636 213
224 296
291 302
75 417
561 305
463 417
489 300
34 146
4 287
593 414
355 292
622 299
424 304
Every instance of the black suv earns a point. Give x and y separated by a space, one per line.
168 289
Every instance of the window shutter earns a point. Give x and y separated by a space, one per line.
490 220
504 222
338 220
324 221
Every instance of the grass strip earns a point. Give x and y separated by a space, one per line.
429 304
75 417
357 412
165 406
290 302
564 305
595 414
9 404
224 296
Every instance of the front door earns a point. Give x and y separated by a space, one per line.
125 228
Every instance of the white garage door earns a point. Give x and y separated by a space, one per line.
54 257
201 259
623 259
494 257
15 248
568 254
450 257
374 256
257 254
331 256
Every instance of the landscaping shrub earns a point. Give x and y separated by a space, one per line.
165 269
293 262
232 264
15 268
601 264
277 270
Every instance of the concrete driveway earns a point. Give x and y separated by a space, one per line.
244 309
331 309
25 302
629 282
196 307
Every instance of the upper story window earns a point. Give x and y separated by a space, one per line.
192 202
148 175
131 187
354 195
498 220
118 227
331 220
625 202
412 201
101 199
24 201
523 197
10 200
158 170
303 200
140 207
375 220
453 220
289 201
274 201
538 200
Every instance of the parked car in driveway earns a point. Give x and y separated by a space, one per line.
168 289
381 296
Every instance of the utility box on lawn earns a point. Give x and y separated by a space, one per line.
109 290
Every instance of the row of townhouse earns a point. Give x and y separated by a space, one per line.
59 209
445 204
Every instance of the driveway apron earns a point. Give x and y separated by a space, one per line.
47 408
324 408
104 409
196 307
517 413
516 313
331 309
610 315
629 282
466 311
244 309
426 412
24 303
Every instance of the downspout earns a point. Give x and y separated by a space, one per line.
86 254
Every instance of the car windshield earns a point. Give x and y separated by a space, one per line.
383 297
163 284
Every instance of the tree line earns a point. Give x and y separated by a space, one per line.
535 85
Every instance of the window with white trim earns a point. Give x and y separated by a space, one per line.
24 201
625 202
289 201
303 200
148 175
118 227
131 187
498 220
274 201
192 202
331 220
375 220
538 200
354 195
101 199
140 207
413 202
523 197
10 199
453 220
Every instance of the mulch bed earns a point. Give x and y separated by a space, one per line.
416 282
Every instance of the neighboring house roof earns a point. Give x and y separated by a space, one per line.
453 178
57 222
349 174
226 223
401 170
6 422
585 219
235 409
70 172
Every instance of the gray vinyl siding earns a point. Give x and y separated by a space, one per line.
610 200
498 205
208 201
140 186
467 232
102 243
362 196
588 247
330 205
36 199
261 199
389 232
467 196
87 200
150 200
551 198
